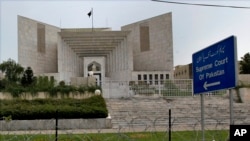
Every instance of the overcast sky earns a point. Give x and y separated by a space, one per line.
194 27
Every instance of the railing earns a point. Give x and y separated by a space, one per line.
164 88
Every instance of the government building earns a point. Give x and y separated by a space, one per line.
140 51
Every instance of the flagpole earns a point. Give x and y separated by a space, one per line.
92 19
91 13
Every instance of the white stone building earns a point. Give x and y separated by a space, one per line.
139 51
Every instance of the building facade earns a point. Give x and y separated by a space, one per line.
183 71
139 51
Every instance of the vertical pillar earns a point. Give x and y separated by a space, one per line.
125 54
119 57
130 56
116 59
122 55
106 65
109 64
113 60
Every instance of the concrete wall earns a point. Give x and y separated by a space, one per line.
44 95
83 81
116 89
28 53
245 78
159 57
63 124
245 95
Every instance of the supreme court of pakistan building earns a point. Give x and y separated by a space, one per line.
139 51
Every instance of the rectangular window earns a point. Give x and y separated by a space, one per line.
139 77
161 76
156 79
150 78
167 76
144 77
144 38
40 38
156 76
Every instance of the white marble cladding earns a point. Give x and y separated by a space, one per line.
160 55
118 63
27 46
69 64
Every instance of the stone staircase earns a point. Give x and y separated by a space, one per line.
153 112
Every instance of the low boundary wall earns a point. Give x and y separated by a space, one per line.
63 124
44 95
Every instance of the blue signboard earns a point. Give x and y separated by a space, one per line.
215 67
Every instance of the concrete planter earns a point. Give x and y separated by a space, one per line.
63 124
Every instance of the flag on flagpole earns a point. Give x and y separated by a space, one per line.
90 13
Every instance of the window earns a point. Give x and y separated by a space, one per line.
156 79
144 77
161 78
139 77
150 78
156 76
167 76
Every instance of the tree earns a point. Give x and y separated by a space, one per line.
28 77
12 70
245 64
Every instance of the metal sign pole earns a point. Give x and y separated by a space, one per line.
231 107
202 117
169 124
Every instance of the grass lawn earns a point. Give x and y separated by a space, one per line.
221 135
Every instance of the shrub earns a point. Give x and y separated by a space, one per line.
2 84
93 107
61 83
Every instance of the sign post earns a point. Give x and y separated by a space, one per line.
215 68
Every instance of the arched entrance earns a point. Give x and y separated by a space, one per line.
96 69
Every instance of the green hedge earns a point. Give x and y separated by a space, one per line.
93 107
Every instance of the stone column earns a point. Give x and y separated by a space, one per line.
107 65
113 61
123 55
116 58
119 57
